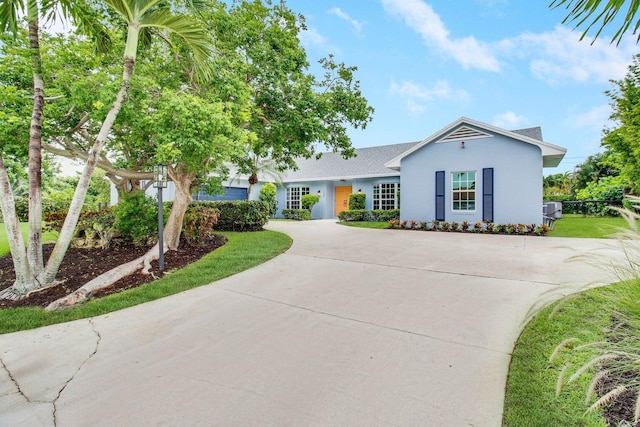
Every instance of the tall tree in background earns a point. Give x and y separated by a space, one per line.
623 142
593 169
601 14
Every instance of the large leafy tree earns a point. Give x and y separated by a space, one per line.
139 16
293 110
623 141
172 116
593 169
599 14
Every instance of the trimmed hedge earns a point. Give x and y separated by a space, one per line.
378 215
357 201
239 215
297 214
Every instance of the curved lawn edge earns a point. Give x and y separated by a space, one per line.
241 252
530 396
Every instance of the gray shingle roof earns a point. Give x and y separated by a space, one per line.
535 133
369 162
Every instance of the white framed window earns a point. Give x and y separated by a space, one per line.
294 196
463 189
385 195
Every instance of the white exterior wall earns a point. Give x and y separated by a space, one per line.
325 209
517 176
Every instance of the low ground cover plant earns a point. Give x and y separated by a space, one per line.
465 227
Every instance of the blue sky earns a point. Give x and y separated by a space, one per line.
510 63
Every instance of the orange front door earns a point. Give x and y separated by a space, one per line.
342 198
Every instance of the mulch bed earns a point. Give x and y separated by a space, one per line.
80 265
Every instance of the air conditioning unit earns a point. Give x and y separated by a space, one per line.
553 209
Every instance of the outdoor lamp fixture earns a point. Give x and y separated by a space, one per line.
160 182
462 144
319 193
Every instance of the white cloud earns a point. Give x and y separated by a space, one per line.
311 37
509 120
596 118
357 25
420 16
554 57
492 7
417 95
559 55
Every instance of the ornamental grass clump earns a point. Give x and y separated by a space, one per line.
614 362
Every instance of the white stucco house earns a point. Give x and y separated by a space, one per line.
467 171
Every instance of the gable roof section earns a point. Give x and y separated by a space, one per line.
551 154
368 163
464 132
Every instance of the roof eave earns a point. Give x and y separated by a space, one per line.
345 177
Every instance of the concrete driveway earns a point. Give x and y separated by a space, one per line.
349 327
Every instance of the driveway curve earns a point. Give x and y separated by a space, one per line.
348 327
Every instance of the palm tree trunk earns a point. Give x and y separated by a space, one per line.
24 278
34 241
66 233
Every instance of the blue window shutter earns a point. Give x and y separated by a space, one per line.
440 195
487 194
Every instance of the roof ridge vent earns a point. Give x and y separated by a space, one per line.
464 132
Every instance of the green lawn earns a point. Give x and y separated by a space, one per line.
241 252
4 244
578 226
584 317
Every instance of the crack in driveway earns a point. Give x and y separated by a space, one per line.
64 386
364 322
14 381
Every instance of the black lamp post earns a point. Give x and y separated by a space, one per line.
160 182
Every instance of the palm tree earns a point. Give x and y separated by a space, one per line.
255 166
596 12
139 15
30 264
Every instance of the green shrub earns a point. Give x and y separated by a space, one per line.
22 208
136 215
240 215
199 222
297 214
385 215
354 215
97 223
558 197
357 201
378 215
308 201
268 194
610 189
91 224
